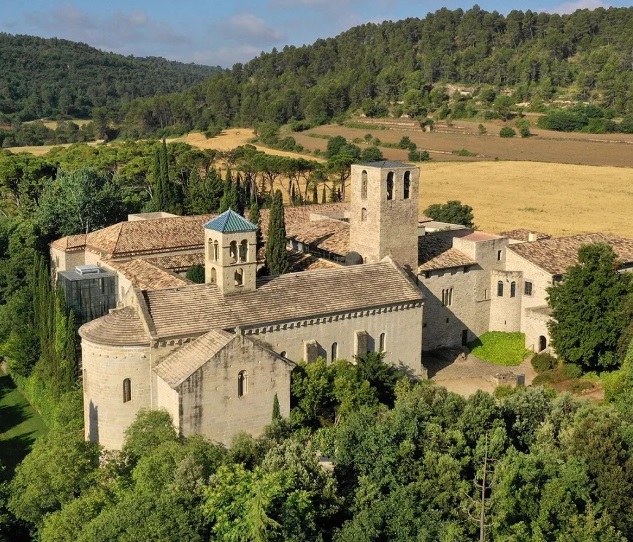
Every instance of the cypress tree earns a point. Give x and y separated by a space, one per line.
323 195
254 216
276 409
225 202
276 254
158 196
315 195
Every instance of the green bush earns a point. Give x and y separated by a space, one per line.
544 362
501 392
541 380
571 370
500 347
464 152
416 155
506 131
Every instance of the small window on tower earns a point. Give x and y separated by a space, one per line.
239 277
390 185
216 251
363 214
363 185
407 184
513 289
242 383
244 250
127 390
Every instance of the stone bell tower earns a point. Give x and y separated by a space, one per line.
230 253
384 212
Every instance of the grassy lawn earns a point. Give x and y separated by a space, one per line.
20 425
500 348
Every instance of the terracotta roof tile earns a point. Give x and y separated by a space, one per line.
300 261
147 276
179 262
326 234
193 310
70 242
295 216
437 252
180 365
149 236
522 234
119 327
556 255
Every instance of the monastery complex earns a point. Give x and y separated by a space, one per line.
371 275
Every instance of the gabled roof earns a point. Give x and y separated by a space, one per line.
556 255
437 252
185 361
230 222
146 275
193 310
325 234
148 236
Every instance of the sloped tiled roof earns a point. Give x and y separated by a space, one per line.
70 242
147 276
180 365
193 310
230 222
179 262
121 327
149 236
302 261
296 216
326 234
522 234
437 252
556 255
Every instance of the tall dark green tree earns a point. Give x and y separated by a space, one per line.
277 259
254 216
587 309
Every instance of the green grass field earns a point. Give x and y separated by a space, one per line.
20 425
501 348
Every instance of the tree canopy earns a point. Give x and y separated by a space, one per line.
453 212
587 309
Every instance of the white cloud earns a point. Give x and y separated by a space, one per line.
121 32
254 27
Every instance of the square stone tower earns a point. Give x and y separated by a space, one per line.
230 253
384 212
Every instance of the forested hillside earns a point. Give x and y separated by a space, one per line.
51 77
587 56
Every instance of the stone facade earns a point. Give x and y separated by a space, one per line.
213 403
384 212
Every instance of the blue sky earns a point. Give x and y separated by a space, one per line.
223 32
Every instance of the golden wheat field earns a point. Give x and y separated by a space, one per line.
560 199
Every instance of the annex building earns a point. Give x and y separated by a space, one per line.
369 275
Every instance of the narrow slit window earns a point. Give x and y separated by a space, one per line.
363 215
242 384
382 342
500 288
127 390
513 289
363 185
334 351
216 251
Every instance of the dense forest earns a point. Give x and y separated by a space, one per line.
44 78
585 56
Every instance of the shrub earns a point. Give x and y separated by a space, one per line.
501 392
541 380
506 131
572 370
482 129
464 152
544 362
416 155
524 127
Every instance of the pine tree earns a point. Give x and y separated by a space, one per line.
276 254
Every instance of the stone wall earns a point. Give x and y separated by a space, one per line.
446 326
106 415
505 309
62 260
209 401
379 226
402 326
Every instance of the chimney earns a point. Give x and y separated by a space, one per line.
532 237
